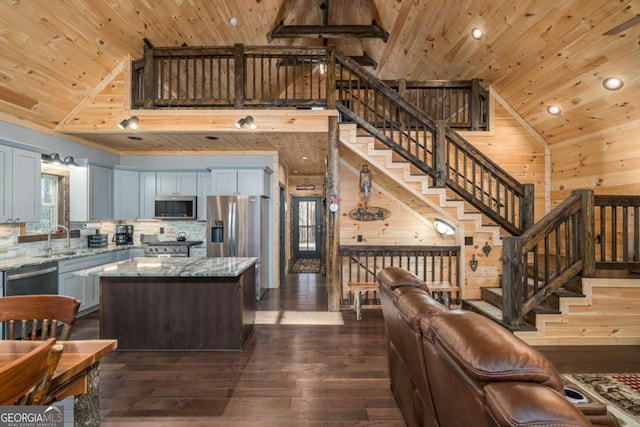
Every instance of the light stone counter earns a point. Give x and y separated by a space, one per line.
173 267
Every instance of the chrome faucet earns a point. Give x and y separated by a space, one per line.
67 242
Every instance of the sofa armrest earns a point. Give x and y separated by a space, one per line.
488 352
530 404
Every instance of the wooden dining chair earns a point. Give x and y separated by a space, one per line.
26 380
33 317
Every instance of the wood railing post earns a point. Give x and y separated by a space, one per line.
149 77
511 281
475 104
239 75
527 207
334 286
440 154
586 233
331 78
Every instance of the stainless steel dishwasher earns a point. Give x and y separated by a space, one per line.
33 280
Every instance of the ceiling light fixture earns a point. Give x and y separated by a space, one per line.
246 121
131 122
477 33
554 110
612 83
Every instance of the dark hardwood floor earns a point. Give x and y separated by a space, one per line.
289 375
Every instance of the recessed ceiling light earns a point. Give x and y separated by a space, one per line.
554 110
135 138
304 158
477 33
233 22
212 138
612 83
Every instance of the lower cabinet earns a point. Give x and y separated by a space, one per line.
85 289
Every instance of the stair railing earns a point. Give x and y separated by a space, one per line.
547 255
432 147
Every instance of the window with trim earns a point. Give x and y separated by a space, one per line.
54 205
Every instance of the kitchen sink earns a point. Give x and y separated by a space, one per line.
58 254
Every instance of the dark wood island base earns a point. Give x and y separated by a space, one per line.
178 313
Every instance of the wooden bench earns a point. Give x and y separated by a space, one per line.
358 288
442 291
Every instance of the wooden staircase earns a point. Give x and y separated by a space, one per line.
607 313
425 199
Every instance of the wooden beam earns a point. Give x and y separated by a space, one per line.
372 31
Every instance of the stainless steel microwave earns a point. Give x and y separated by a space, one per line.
175 207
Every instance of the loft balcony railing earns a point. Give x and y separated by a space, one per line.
296 77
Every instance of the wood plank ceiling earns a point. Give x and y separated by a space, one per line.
53 54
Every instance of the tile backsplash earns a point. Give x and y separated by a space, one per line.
10 248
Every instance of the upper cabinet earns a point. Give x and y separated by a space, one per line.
19 185
126 198
147 194
248 181
204 190
176 183
91 193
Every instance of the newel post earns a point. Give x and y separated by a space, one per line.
331 78
586 233
527 207
149 83
511 281
440 154
475 104
238 80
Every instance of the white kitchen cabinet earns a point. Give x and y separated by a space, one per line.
240 181
19 185
126 199
147 194
85 289
91 193
176 183
204 190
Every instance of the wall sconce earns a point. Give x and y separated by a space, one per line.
473 263
365 180
486 249
131 122
322 68
54 159
69 161
246 121
443 228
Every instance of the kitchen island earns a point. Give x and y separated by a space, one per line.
177 303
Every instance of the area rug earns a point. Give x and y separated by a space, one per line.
306 265
620 392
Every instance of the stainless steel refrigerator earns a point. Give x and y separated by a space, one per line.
237 227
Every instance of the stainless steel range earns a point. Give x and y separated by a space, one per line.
170 248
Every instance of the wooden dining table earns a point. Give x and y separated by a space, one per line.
76 374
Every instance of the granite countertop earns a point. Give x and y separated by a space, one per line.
26 261
172 267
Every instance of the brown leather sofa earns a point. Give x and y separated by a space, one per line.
457 368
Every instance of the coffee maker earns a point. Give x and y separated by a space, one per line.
123 235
